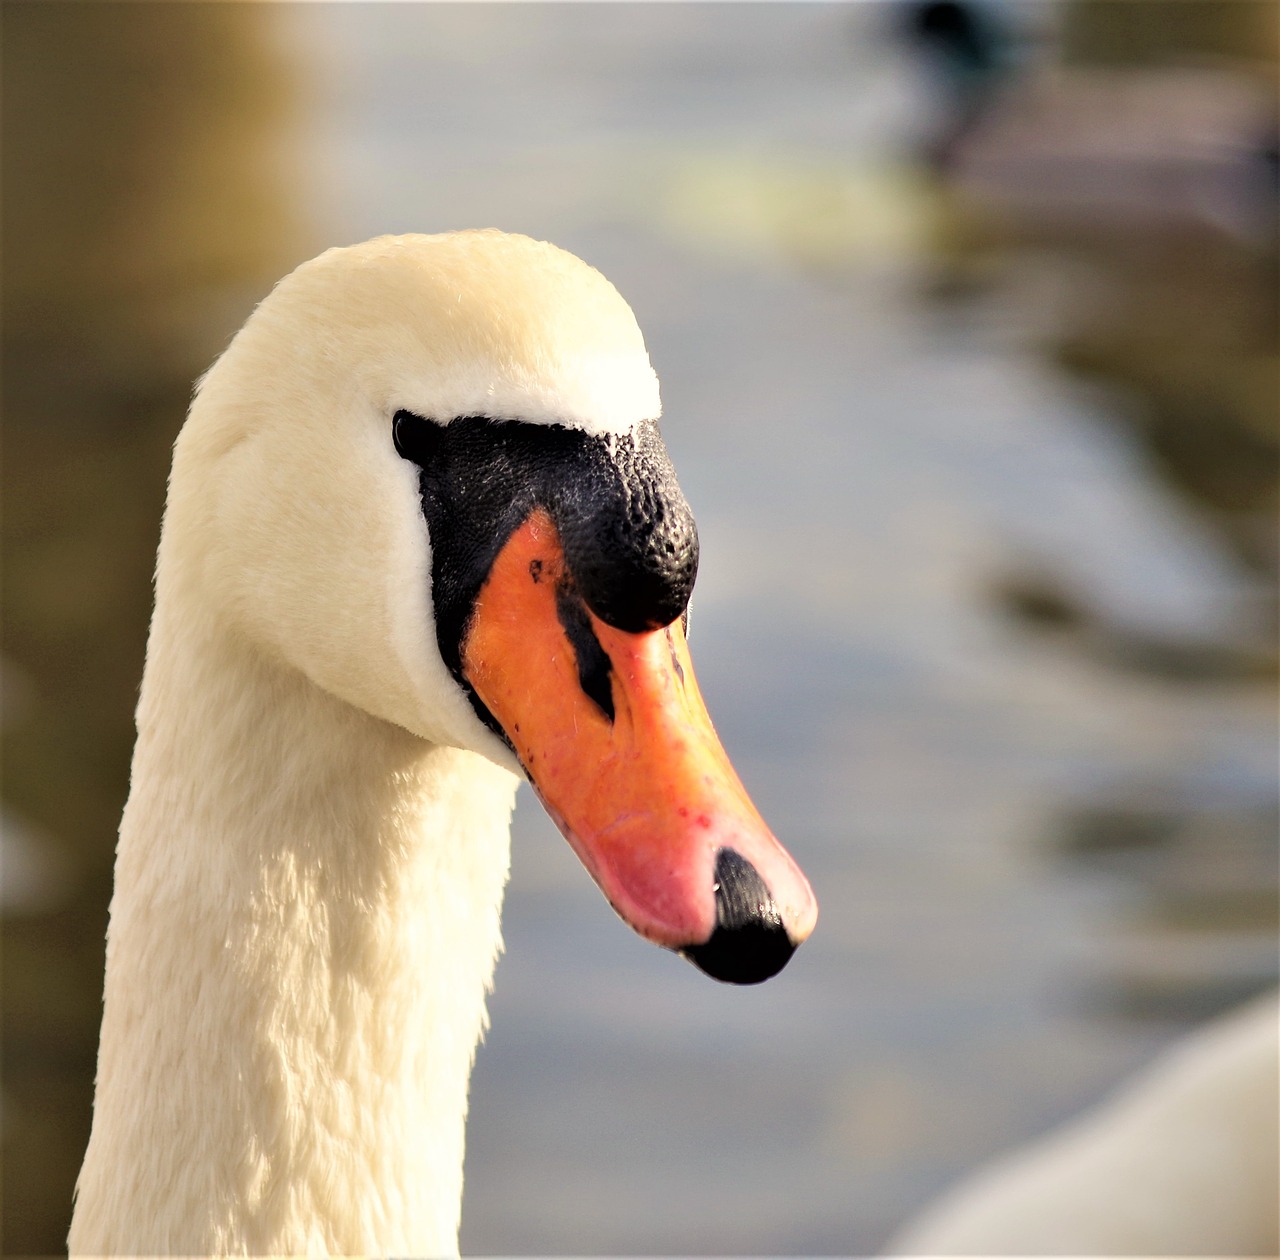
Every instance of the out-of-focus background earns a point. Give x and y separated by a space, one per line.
966 320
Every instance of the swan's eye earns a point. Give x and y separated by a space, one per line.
416 438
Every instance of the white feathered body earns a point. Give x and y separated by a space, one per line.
1181 1161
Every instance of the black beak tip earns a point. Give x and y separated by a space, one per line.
749 943
742 956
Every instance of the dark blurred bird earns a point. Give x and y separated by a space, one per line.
969 51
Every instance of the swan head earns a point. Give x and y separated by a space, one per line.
428 475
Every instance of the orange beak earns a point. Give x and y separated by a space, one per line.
613 734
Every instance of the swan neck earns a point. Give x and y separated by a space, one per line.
304 926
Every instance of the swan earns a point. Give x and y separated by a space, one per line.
1181 1161
422 537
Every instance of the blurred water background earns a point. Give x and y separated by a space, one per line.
967 330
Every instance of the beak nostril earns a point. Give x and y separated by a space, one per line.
750 942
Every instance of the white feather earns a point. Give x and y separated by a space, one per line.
1182 1161
312 859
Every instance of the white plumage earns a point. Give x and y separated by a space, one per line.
1181 1161
312 858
